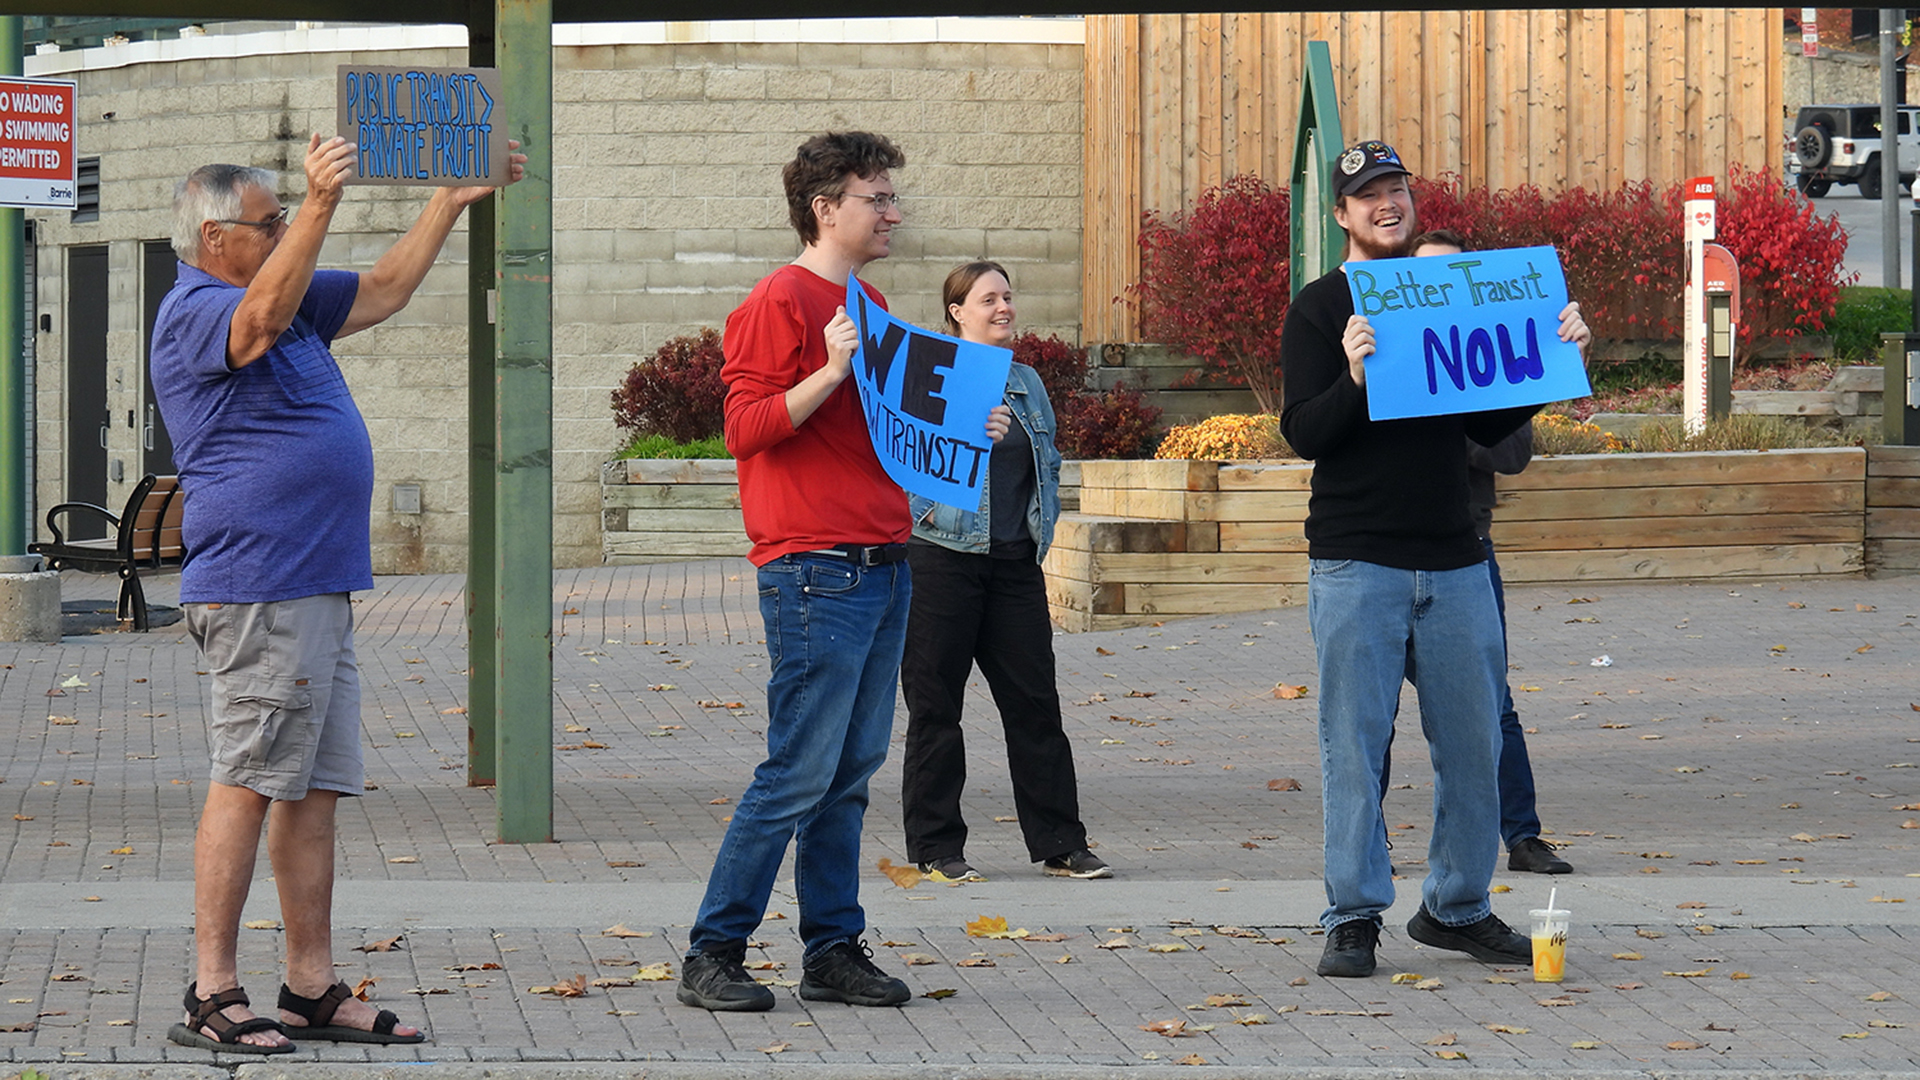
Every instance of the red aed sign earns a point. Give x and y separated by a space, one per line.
1700 188
39 138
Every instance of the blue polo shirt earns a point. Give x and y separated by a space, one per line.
274 457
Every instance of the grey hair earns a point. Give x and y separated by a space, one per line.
210 193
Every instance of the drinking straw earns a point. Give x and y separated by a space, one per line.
1551 893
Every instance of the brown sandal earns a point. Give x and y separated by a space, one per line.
222 1035
318 1013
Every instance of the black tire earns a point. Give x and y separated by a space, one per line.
1870 180
1813 146
1813 186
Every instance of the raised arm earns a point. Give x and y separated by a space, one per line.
388 287
275 293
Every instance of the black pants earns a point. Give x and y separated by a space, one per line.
969 608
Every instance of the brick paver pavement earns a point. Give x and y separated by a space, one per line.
1738 788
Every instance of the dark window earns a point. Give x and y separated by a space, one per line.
86 204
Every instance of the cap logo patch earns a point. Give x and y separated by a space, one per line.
1352 160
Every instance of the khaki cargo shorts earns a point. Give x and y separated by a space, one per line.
285 703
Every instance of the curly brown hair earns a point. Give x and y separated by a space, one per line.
821 167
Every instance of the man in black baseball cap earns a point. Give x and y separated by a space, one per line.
1397 573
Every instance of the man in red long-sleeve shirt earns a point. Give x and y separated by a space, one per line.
829 534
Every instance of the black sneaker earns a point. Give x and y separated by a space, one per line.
1488 940
1077 864
846 973
1349 951
1535 856
716 981
950 868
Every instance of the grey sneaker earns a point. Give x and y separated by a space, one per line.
1077 864
716 981
950 868
845 972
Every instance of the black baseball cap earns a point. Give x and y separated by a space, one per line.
1364 161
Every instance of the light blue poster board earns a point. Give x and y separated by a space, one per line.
1465 333
926 398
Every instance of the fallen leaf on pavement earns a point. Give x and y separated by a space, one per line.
917 959
1686 1044
1191 1059
1285 783
571 988
1450 1055
1220 1001
1167 946
1288 692
657 972
1700 974
993 926
976 961
904 876
1172 1029
383 945
939 995
1446 1039
775 1048
1583 1044
1504 1029
262 924
620 930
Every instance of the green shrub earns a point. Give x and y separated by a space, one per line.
677 391
661 446
1863 314
1744 431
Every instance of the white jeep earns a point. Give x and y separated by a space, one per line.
1840 144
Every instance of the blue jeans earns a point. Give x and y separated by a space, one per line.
1519 816
1519 813
1368 622
834 633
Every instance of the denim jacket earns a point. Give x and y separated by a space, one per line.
970 531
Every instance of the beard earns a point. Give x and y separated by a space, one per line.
1369 248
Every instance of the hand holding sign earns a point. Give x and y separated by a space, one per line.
329 166
1467 332
928 400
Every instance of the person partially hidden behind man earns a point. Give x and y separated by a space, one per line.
1396 572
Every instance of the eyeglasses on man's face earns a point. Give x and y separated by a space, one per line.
268 224
882 202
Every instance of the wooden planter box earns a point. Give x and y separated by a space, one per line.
669 511
1175 539
672 511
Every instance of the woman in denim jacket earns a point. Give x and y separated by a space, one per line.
979 596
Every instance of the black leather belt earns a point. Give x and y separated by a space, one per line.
877 555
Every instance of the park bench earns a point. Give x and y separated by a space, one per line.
145 538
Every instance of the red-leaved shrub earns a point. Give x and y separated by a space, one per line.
1214 282
1624 255
1062 367
676 392
1116 424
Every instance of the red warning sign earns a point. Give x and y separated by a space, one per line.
39 142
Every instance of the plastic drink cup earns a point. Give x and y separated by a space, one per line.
1549 944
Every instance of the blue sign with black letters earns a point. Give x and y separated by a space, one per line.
926 398
1465 333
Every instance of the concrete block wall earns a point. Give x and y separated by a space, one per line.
667 208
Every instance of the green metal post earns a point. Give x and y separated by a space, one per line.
523 435
1318 243
13 364
482 281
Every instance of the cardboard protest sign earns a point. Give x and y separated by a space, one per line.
926 398
1464 333
437 127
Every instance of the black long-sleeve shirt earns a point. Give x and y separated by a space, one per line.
1392 492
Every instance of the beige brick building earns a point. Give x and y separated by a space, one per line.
668 140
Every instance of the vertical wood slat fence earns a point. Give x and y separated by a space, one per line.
1553 98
